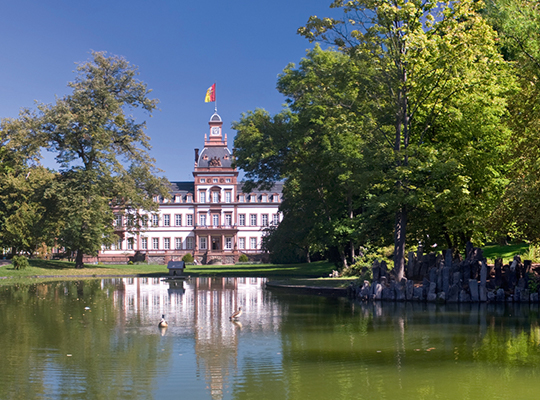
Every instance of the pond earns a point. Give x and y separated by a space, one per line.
99 339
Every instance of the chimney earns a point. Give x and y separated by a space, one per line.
196 155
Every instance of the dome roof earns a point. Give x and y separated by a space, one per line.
215 118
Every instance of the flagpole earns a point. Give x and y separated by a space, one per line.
215 97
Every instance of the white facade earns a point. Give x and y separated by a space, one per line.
209 217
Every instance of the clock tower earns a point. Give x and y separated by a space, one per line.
216 133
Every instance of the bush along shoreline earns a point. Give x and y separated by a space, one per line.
441 278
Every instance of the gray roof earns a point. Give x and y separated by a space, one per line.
182 187
221 156
276 188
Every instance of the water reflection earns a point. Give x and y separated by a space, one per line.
100 339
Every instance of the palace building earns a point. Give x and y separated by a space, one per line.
210 217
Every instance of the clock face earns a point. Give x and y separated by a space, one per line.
215 130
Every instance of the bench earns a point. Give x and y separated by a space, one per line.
176 268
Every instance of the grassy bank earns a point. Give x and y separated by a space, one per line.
50 270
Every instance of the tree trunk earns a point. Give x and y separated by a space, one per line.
399 242
308 257
79 259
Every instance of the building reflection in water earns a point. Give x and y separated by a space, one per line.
200 308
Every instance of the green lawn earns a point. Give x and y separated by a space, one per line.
47 270
506 252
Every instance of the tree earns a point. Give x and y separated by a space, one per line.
314 145
29 211
102 152
518 23
436 64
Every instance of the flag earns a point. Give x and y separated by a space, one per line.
210 94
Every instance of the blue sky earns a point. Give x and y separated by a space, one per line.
181 48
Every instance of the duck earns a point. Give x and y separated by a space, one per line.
163 323
236 315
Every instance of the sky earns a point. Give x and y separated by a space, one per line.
180 47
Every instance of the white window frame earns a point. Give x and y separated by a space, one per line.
264 219
189 220
215 219
242 219
178 243
155 243
166 219
228 242
202 196
228 196
177 219
189 242
228 219
202 219
253 243
241 243
203 243
155 220
166 243
253 219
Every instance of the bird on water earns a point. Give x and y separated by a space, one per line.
163 323
236 315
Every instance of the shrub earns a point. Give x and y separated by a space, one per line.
20 262
188 258
243 258
130 262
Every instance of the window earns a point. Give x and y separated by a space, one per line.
202 219
228 243
189 243
130 244
275 219
144 243
177 199
227 197
156 199
228 180
202 197
118 220
264 221
155 220
189 220
167 243
155 243
203 180
215 219
178 243
166 220
214 180
119 244
253 219
252 243
130 220
178 219
202 243
228 219
145 220
189 198
241 243
264 198
215 197
241 198
252 198
242 219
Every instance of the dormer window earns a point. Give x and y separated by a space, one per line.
252 198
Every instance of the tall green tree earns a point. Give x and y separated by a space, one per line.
518 24
314 146
437 94
102 151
